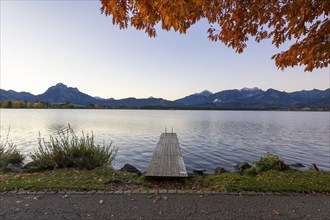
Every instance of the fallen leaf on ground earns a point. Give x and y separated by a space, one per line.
65 196
276 212
101 201
157 198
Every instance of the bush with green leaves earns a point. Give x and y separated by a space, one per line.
68 150
9 154
270 162
250 171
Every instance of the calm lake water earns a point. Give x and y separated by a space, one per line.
207 138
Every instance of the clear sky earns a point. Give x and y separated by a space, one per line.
46 42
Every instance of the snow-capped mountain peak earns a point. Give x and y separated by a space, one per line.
250 89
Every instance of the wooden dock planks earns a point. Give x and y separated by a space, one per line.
167 160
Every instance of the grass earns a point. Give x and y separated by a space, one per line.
9 154
68 150
108 179
70 179
270 181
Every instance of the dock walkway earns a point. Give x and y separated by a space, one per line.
167 160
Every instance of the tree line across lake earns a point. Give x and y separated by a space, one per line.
21 104
41 105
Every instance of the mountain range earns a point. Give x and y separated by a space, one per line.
246 98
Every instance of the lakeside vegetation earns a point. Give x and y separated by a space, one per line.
68 162
9 154
66 150
19 104
109 179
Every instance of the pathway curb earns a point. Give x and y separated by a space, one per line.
156 192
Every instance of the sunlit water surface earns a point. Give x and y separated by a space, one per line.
208 139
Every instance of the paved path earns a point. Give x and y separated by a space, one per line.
162 206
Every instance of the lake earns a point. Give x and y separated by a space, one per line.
207 138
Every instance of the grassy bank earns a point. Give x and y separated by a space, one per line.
108 179
69 162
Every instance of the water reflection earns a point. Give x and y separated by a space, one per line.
208 138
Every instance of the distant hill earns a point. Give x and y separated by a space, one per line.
133 102
12 95
257 98
246 98
63 93
196 99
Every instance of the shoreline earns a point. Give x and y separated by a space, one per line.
323 109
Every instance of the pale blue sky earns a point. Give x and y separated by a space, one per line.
46 42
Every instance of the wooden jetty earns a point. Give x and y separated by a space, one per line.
167 160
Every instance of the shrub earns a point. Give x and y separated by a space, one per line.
269 162
250 171
9 154
68 150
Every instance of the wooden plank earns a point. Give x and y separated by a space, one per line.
167 160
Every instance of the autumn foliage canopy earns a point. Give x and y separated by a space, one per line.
305 23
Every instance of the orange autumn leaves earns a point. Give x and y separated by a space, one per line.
305 23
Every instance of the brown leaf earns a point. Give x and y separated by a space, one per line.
157 198
276 212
